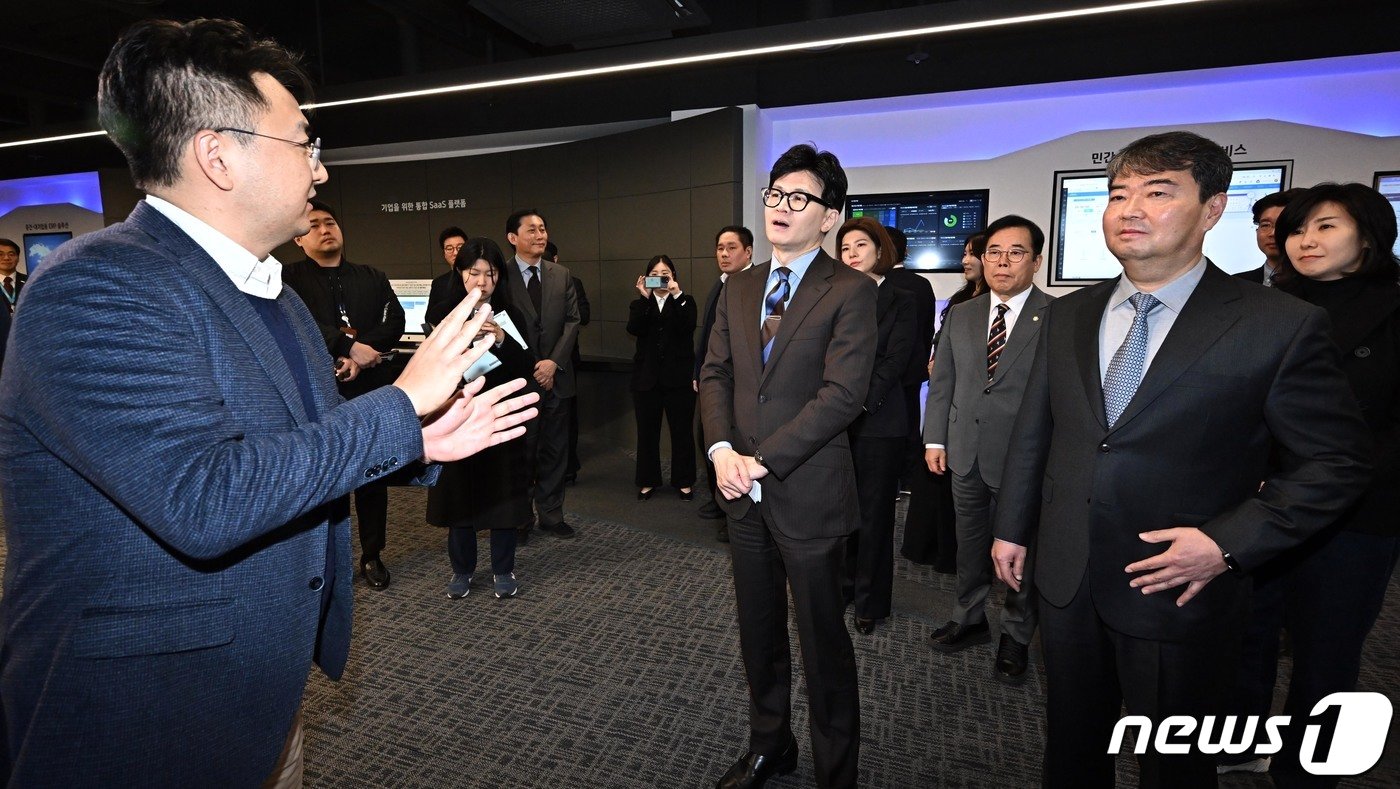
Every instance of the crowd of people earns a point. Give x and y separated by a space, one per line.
1166 470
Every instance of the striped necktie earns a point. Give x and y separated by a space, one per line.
996 340
773 306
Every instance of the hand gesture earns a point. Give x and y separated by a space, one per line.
474 420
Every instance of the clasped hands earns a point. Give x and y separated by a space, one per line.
735 473
1193 559
456 423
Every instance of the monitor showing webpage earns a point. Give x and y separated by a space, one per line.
413 297
1078 254
1388 184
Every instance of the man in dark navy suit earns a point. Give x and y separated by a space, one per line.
733 253
175 505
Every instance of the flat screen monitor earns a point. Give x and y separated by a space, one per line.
937 224
1388 184
1079 256
38 247
413 297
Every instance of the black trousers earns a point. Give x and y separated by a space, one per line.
766 565
870 550
1094 671
547 450
372 512
461 550
677 404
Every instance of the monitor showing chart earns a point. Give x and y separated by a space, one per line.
1078 254
937 224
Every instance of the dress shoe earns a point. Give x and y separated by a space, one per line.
687 495
753 770
954 637
866 626
1012 657
711 511
722 533
375 573
560 529
570 479
645 495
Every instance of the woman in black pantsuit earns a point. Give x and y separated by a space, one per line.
663 321
880 434
488 490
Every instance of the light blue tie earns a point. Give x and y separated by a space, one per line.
1124 374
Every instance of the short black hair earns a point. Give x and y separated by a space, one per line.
451 231
661 259
318 205
517 216
5 242
165 80
901 243
551 252
1176 150
823 165
745 235
485 249
1012 220
1275 200
1375 224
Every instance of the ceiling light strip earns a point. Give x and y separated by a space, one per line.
59 138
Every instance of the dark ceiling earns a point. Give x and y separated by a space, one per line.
51 52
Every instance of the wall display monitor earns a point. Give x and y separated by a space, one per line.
413 297
937 224
38 247
1388 184
1079 256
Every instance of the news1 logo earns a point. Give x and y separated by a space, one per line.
1363 720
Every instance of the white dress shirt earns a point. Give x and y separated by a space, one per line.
262 278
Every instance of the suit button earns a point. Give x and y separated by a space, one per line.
988 390
1104 448
369 473
763 398
316 584
393 461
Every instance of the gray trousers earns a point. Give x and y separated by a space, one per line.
975 503
547 447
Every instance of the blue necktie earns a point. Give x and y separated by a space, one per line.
773 306
1124 374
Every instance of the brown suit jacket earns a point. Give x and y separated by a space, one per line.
795 410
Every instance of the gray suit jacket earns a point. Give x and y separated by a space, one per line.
965 412
794 410
1245 375
553 331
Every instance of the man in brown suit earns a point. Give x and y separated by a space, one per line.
788 366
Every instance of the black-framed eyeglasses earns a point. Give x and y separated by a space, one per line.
1012 255
313 147
453 247
773 197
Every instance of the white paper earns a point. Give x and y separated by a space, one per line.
503 320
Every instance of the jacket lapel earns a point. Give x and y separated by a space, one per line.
745 334
813 287
519 296
1025 332
1086 345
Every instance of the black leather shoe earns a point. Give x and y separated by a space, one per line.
753 770
687 495
711 511
644 495
722 533
560 529
1012 657
954 637
866 626
375 573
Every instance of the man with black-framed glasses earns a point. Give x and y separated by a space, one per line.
447 290
786 373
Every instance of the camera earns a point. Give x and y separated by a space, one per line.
656 282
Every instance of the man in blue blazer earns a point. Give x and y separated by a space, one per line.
177 458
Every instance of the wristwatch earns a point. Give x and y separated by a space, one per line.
758 457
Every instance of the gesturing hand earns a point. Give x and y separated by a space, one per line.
433 372
475 420
1193 559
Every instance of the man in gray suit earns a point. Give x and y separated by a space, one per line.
987 348
544 292
1157 403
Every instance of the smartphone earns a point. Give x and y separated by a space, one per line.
655 282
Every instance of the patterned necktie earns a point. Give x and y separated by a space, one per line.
773 306
533 288
996 340
1124 374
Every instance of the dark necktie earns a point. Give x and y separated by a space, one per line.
773 305
533 288
1125 371
10 293
996 340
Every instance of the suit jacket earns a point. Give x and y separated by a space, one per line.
665 354
965 412
167 501
794 410
883 414
702 347
1255 275
1243 369
553 331
925 314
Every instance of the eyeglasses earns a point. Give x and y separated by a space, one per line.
773 197
1264 227
313 147
1012 255
452 247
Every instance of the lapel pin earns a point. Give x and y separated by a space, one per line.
1035 318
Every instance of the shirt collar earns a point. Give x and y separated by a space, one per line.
525 268
798 265
1172 295
1014 304
262 278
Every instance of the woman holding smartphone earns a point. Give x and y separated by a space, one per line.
488 490
662 319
